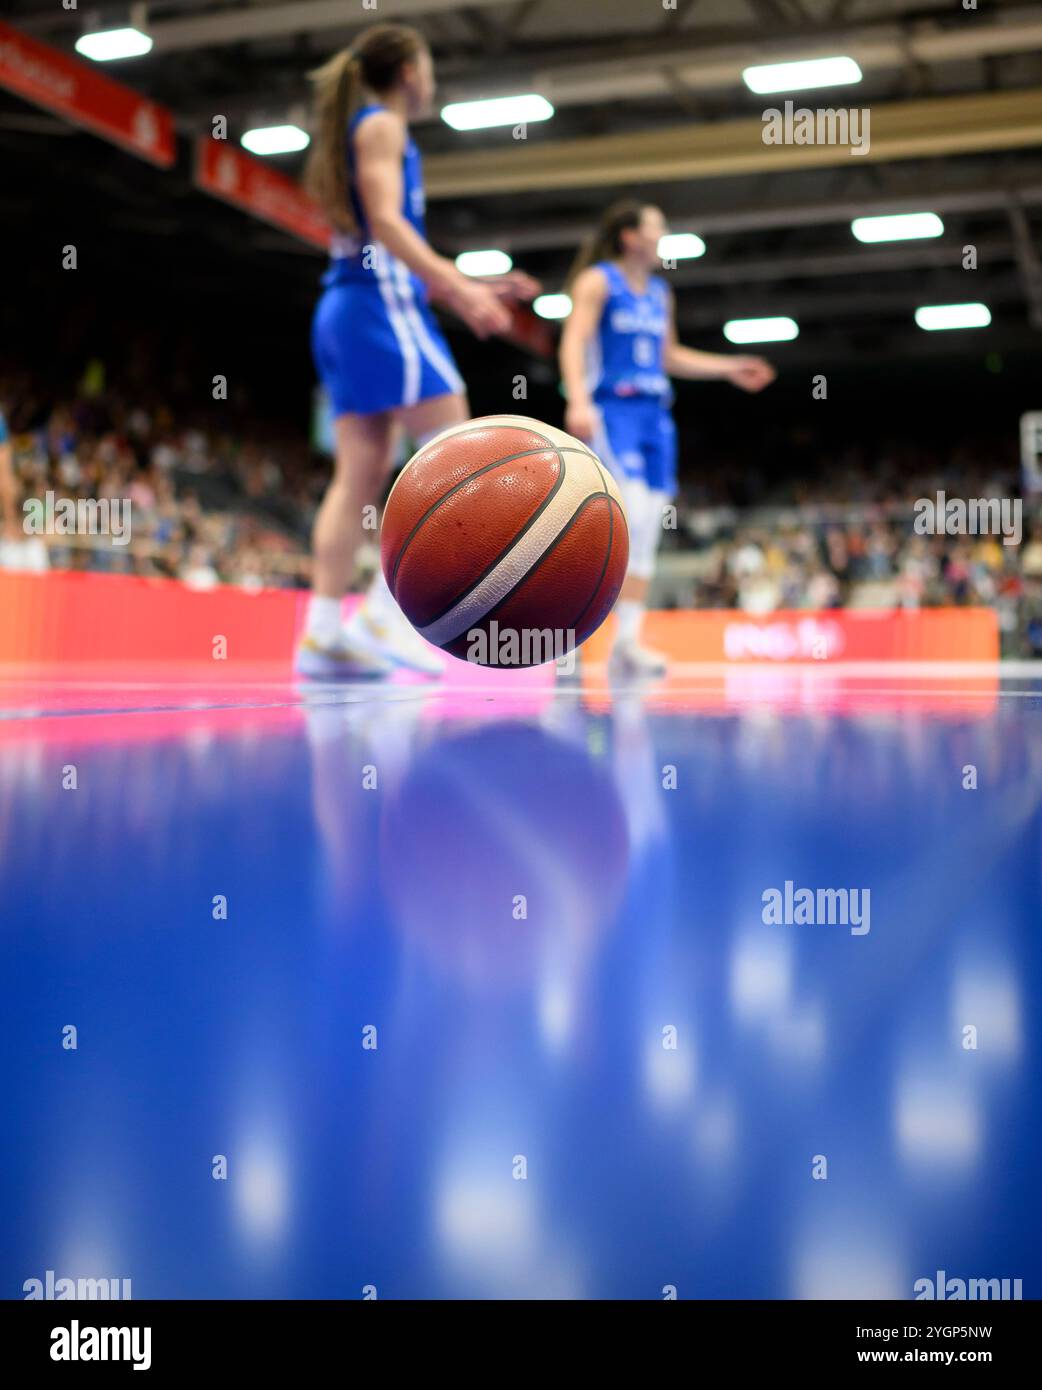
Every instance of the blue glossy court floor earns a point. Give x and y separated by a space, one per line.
501 885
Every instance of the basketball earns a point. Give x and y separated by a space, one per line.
504 541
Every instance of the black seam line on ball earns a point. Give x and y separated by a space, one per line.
465 593
612 504
487 617
548 447
573 625
622 510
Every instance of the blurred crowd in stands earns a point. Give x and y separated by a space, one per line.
211 507
845 536
206 507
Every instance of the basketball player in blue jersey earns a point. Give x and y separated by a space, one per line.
378 350
618 350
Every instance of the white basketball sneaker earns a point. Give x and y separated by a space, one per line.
389 636
338 660
628 661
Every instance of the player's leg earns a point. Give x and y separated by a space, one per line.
379 625
644 515
646 496
363 454
432 398
659 449
627 446
428 418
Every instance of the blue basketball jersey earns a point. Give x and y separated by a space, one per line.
357 256
626 355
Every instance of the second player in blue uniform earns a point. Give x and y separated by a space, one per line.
619 350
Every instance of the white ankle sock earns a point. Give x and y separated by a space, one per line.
379 599
324 620
628 613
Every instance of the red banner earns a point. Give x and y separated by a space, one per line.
68 617
817 637
225 172
72 89
65 616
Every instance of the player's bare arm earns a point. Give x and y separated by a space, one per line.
748 373
378 153
588 296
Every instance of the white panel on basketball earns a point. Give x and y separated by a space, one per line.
581 479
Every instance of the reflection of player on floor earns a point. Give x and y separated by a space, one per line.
377 347
618 350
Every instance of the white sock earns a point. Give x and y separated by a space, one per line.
628 613
379 599
324 620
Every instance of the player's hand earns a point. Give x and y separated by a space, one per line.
515 286
751 373
479 308
580 420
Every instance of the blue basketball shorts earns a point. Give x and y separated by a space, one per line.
637 441
377 346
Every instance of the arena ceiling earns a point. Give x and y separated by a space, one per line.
649 99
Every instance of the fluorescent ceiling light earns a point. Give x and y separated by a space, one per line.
898 226
480 115
796 77
275 139
680 246
105 44
483 262
776 330
553 306
935 316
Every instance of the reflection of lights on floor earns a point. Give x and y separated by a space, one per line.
850 1258
259 1182
985 996
669 1073
761 972
486 1221
799 1036
88 1256
555 1012
936 1120
491 1233
715 1132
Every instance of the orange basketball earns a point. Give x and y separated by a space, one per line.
504 541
